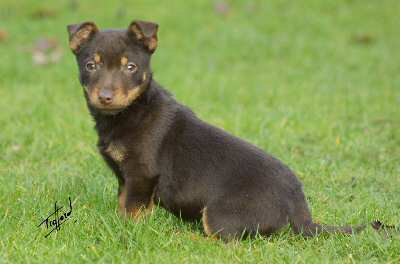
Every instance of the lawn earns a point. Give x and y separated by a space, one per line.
315 83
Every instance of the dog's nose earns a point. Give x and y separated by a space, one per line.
106 97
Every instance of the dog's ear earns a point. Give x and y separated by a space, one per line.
144 33
80 33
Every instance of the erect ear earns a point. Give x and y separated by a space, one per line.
145 33
80 33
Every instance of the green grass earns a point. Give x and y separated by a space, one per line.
293 77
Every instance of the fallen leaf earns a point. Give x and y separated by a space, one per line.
16 147
337 141
44 44
46 51
3 35
43 13
39 58
222 8
364 39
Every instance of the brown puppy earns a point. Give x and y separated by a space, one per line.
162 153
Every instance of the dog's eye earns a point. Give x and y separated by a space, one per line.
131 67
91 66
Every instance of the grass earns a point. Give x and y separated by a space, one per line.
316 83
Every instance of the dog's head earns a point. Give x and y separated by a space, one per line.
114 65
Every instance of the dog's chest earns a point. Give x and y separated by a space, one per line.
117 151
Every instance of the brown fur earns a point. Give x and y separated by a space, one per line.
206 227
121 98
116 151
137 32
139 213
97 58
122 200
81 36
161 152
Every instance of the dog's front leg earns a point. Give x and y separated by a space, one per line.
136 199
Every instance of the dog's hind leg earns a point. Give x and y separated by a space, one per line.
235 218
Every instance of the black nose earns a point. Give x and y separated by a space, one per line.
105 96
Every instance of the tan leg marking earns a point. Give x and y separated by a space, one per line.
121 201
139 212
206 227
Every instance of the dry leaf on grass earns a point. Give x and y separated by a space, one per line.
222 8
16 147
3 35
46 51
43 13
364 39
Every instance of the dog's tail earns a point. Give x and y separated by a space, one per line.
309 229
303 224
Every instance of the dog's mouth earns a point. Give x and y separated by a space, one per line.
108 103
109 110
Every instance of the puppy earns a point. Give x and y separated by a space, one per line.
162 153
